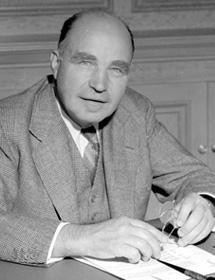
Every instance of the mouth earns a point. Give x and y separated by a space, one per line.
94 105
93 100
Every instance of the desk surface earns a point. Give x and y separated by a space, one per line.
69 269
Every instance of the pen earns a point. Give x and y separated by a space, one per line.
188 272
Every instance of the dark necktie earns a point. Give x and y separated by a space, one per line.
91 152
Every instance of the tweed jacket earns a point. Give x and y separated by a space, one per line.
36 169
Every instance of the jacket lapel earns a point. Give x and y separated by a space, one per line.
120 144
52 155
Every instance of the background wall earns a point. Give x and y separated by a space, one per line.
174 62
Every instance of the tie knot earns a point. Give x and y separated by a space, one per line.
90 134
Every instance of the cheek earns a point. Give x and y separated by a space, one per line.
66 82
73 79
118 90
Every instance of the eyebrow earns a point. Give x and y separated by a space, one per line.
125 66
82 56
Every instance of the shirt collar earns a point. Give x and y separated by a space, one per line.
73 127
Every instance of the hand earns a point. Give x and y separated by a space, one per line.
121 237
194 219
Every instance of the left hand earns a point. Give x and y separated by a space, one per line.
194 219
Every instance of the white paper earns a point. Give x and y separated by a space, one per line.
189 257
151 270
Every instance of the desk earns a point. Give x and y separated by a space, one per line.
69 269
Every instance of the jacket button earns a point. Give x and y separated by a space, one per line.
93 198
93 217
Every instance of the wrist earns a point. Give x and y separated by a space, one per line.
70 242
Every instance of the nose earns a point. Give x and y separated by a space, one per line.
98 80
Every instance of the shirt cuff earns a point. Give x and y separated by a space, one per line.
207 194
49 259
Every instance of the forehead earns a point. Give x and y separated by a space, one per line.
94 33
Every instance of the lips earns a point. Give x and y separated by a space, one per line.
93 105
94 100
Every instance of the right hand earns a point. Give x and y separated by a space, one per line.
120 237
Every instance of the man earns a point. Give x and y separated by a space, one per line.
51 206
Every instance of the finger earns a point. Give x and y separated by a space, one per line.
203 233
184 210
159 235
146 249
199 232
131 254
194 234
145 242
201 211
136 251
135 234
193 220
141 236
206 230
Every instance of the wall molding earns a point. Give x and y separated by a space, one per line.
28 50
181 110
173 45
28 42
24 58
151 46
173 32
26 8
138 6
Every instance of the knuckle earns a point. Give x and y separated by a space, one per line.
147 253
134 256
145 249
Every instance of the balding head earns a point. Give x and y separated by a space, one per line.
89 14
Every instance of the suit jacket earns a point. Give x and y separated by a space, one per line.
36 168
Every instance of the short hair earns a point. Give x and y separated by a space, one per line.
69 23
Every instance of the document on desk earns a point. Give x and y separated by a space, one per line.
189 257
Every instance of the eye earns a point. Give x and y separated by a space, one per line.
86 63
117 71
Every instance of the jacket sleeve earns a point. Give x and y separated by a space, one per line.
175 170
23 239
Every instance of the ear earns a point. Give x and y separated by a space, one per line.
54 62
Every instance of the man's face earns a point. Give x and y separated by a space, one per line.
92 70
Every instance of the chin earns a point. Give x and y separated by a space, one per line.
93 118
96 118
